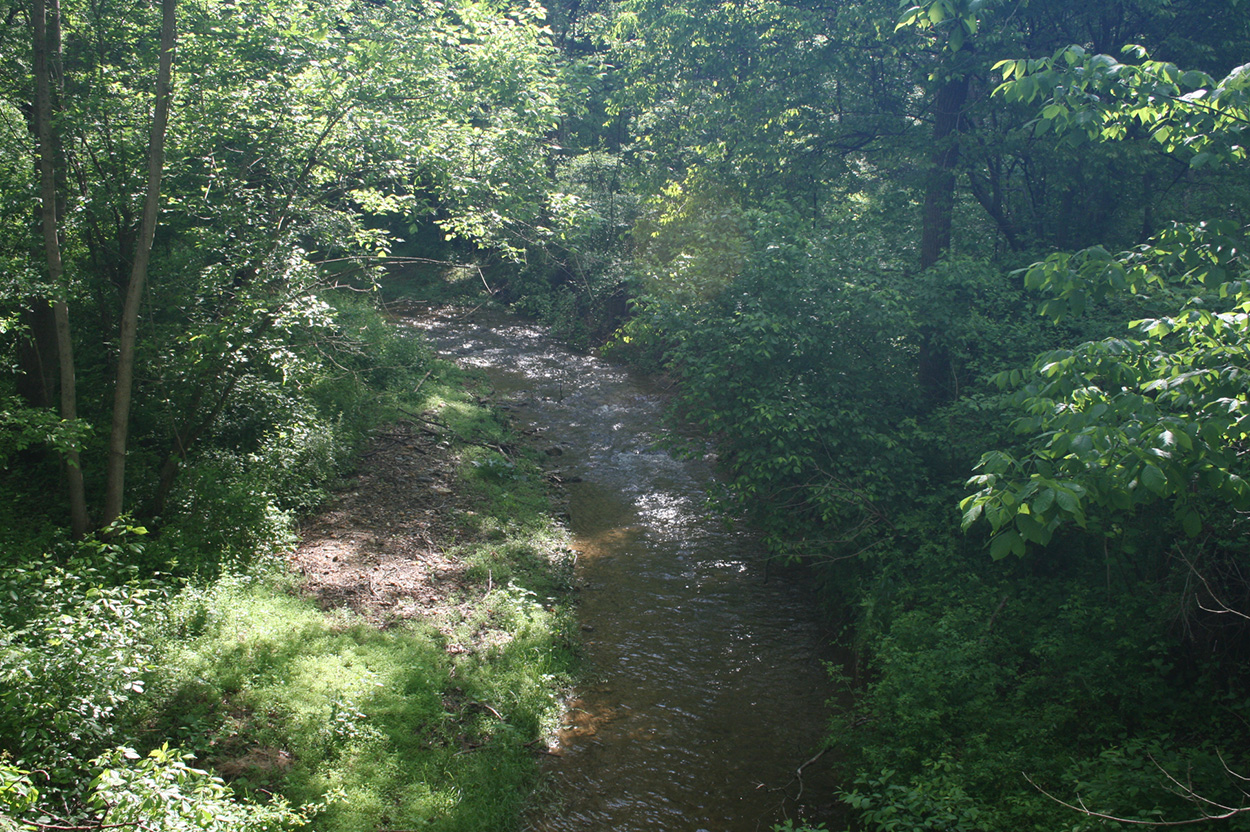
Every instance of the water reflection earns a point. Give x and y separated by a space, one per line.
709 689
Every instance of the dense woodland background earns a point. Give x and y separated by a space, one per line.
958 289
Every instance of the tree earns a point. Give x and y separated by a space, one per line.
1164 414
300 145
123 385
954 25
1033 188
42 44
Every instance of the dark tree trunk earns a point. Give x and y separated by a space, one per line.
43 68
939 200
939 197
37 357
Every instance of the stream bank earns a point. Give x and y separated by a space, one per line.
410 659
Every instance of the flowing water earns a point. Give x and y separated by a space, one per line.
707 688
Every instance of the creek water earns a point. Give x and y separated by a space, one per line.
707 687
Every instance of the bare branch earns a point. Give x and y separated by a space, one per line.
1187 792
1222 608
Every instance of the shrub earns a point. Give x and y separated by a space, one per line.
74 651
163 793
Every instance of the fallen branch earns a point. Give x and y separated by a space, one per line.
417 389
422 417
798 774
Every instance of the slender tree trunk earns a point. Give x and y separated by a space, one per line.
116 469
36 357
935 240
79 521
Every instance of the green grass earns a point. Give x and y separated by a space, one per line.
426 725
283 697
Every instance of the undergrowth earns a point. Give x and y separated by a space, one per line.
179 678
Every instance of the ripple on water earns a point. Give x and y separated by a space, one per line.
708 688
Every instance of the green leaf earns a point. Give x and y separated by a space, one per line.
1005 543
957 39
1053 111
1194 79
1154 479
1030 529
972 513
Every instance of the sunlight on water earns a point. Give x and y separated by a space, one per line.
706 688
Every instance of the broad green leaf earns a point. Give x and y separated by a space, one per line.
1154 479
1005 543
1066 500
1192 523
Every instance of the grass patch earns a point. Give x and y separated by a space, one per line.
421 724
276 695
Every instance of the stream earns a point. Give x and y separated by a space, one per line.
706 687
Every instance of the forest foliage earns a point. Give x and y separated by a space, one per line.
958 288
149 634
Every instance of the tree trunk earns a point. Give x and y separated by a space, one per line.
939 201
79 520
36 356
939 197
116 469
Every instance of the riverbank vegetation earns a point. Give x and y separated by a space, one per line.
956 287
142 667
195 362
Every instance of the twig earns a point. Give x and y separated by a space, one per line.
471 311
989 628
417 389
1082 809
1224 609
488 708
1230 772
798 774
424 418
